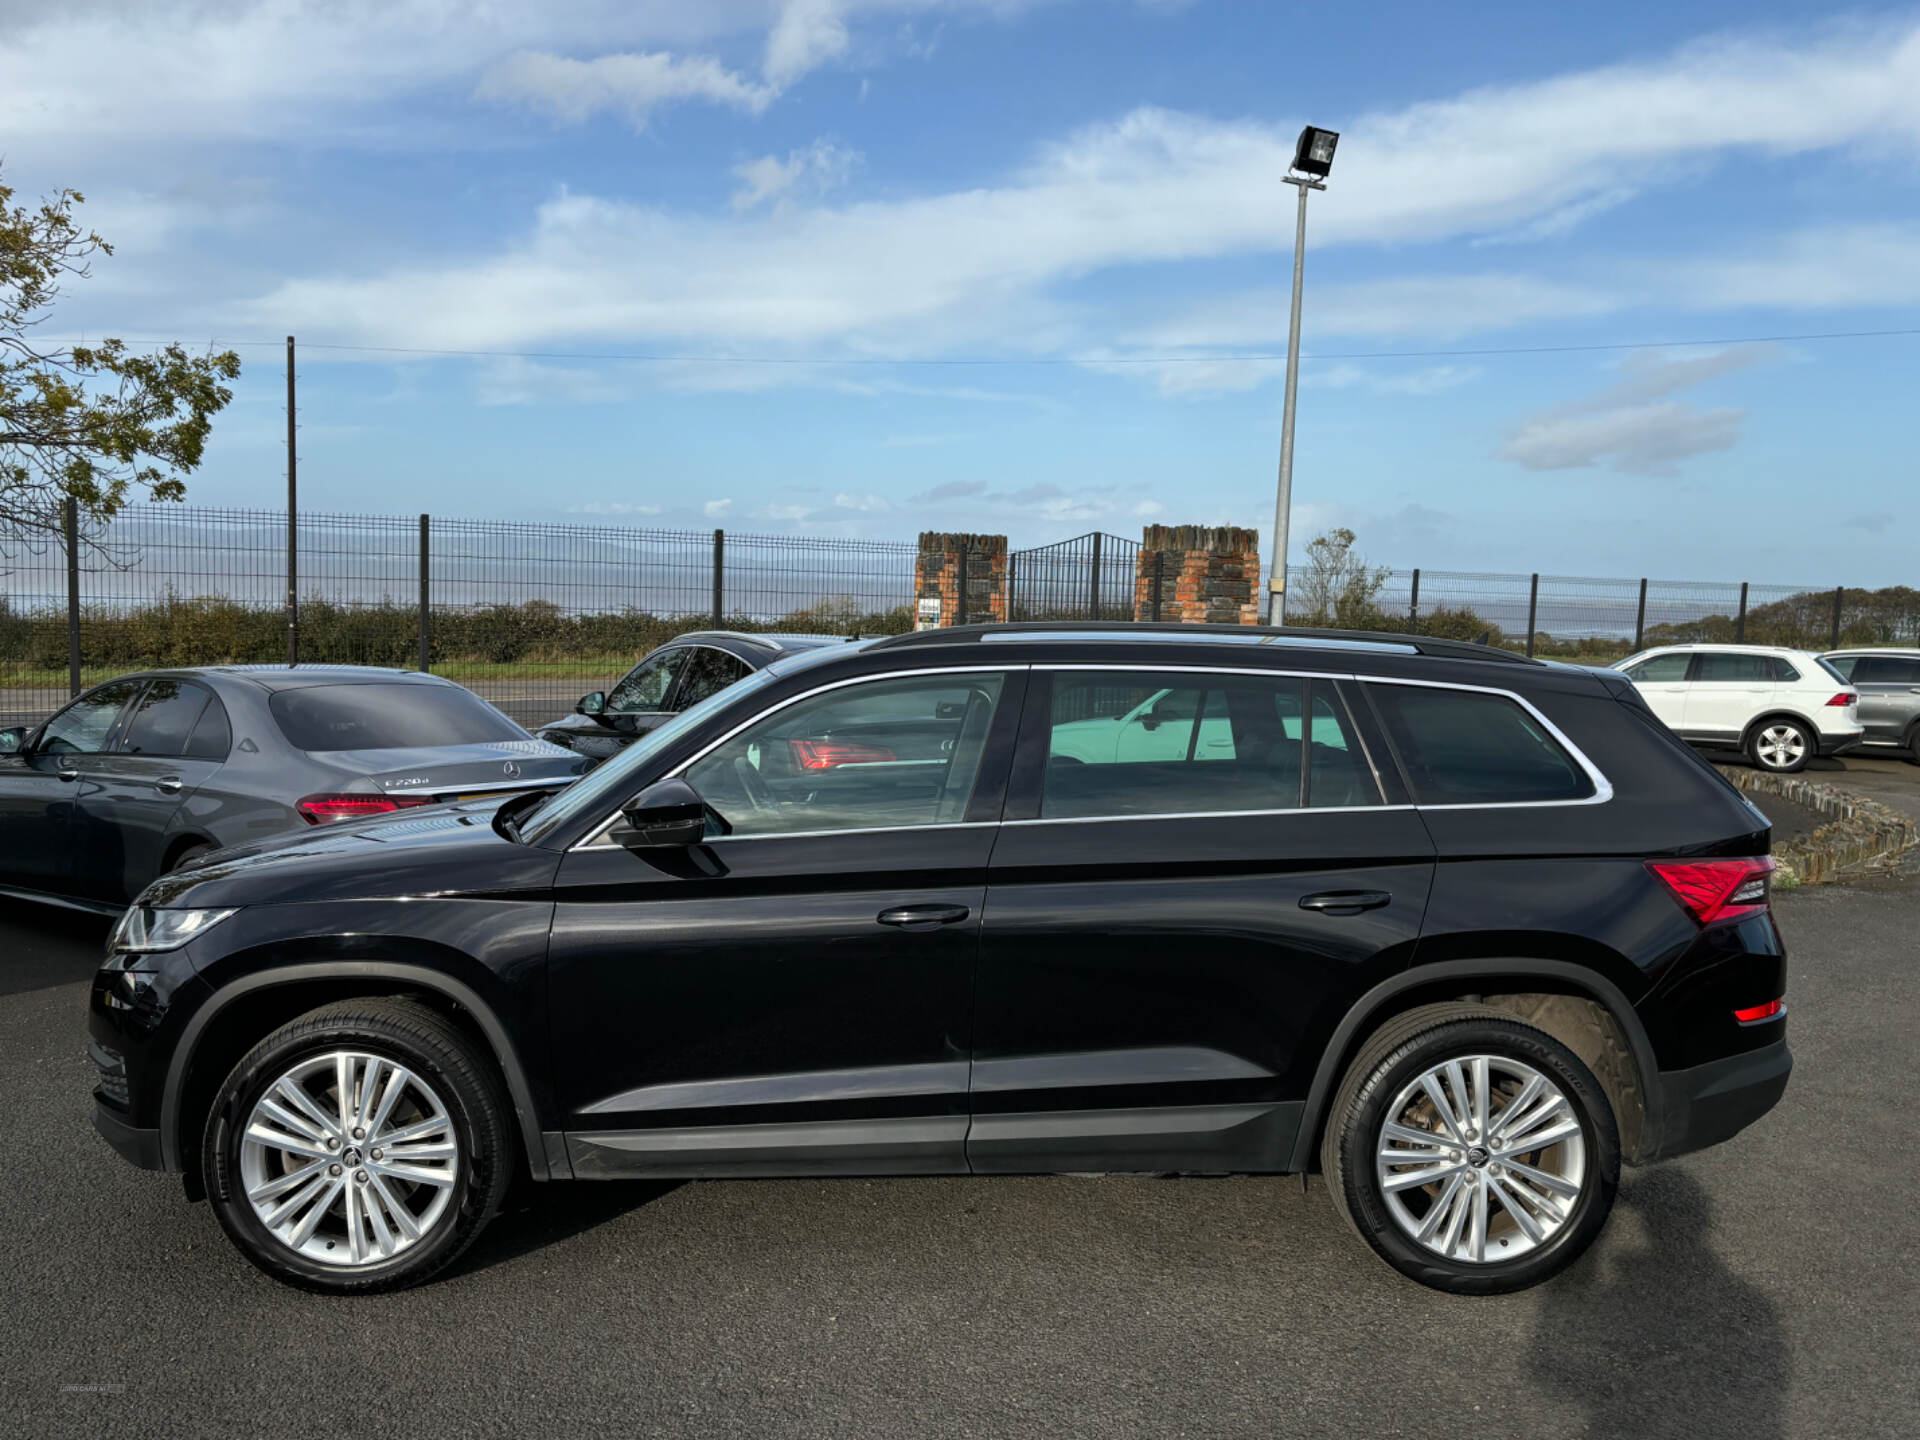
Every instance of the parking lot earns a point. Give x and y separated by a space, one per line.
1770 1287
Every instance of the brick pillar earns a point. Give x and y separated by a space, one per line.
937 578
1207 574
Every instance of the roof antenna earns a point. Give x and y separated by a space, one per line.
1486 638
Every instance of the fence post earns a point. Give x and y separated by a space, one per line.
1839 599
426 609
1640 620
719 572
1533 610
1413 605
962 561
72 519
1740 621
1093 588
293 524
1013 557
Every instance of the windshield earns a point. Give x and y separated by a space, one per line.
601 790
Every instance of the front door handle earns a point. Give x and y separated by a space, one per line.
168 784
1345 902
923 917
65 774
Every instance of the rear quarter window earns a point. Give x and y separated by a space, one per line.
387 717
1470 747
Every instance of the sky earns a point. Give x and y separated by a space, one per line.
873 267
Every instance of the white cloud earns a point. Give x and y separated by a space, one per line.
1631 425
807 33
717 509
819 168
633 84
614 508
869 503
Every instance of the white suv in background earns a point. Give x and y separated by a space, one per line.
1781 707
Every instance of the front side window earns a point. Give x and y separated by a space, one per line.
382 716
1659 669
163 719
1188 744
1725 668
647 685
708 672
1468 747
883 754
81 728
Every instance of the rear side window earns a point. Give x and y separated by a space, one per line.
213 735
708 672
1781 670
387 717
1468 747
163 718
1886 670
1725 667
1122 744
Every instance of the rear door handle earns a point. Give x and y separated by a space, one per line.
1346 902
168 784
923 917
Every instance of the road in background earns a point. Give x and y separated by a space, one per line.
1767 1288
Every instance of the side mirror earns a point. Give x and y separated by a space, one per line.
13 740
667 815
591 704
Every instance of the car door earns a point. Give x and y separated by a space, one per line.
795 995
706 671
134 791
1889 687
1726 690
1166 938
42 788
1662 683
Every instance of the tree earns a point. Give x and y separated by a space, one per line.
1340 587
98 423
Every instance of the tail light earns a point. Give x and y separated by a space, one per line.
1845 697
1772 1010
825 754
1713 891
326 809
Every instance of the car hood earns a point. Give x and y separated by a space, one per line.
443 769
450 849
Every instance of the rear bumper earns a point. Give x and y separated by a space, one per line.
1840 744
1716 1101
135 1145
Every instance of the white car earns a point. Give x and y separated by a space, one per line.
1781 707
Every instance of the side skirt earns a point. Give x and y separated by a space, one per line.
1206 1139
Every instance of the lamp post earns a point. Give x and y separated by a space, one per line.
1312 159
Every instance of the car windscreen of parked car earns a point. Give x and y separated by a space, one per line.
1465 747
387 717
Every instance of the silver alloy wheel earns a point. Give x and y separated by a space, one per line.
1780 746
349 1159
1481 1159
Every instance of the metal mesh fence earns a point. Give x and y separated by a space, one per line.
1090 577
533 615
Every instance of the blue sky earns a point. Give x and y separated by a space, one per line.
1017 265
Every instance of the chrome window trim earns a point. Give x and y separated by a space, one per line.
1602 787
596 838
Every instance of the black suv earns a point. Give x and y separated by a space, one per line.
1459 930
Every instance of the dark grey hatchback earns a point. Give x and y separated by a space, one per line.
147 772
1462 931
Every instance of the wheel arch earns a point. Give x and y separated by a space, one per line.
289 990
1746 735
1529 988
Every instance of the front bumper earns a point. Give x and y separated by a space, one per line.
1716 1101
135 1145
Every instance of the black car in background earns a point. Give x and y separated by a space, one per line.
1460 930
147 772
673 678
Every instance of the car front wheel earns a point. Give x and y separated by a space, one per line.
360 1147
1782 746
1474 1152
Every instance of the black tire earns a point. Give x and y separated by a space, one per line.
1913 743
191 852
1394 1057
1758 749
460 1073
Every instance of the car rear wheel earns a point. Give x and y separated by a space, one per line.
360 1147
1781 746
1913 743
1474 1153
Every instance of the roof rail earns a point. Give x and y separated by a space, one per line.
1276 635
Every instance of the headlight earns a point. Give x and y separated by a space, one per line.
145 931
